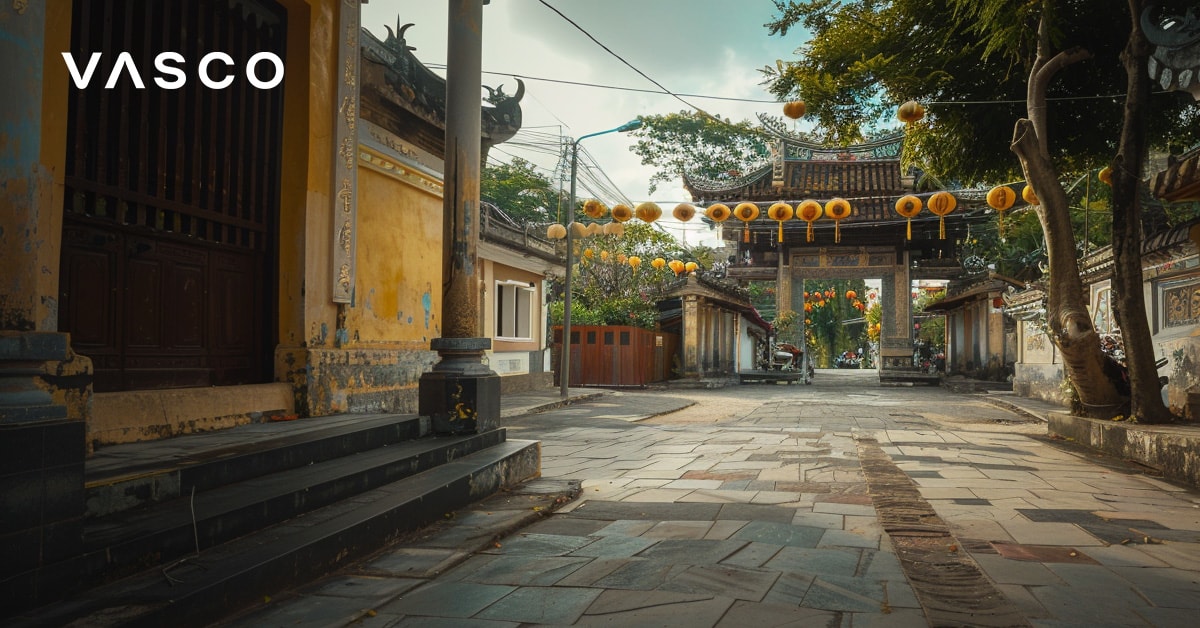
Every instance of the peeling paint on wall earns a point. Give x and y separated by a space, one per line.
427 303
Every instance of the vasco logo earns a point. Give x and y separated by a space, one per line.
171 74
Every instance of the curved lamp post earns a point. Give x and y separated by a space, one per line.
564 365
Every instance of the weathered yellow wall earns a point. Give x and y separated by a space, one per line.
397 300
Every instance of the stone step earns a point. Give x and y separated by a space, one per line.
201 588
123 477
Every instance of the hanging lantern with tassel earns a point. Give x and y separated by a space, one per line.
794 109
1029 195
908 206
809 211
594 209
683 212
691 267
634 262
1001 198
1105 175
556 231
910 112
780 212
837 209
614 229
658 263
621 213
941 204
746 212
676 266
718 212
648 212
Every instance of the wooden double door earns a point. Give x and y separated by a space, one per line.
172 199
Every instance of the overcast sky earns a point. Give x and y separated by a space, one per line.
708 47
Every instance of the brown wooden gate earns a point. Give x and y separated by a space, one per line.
617 355
172 197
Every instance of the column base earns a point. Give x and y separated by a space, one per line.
460 395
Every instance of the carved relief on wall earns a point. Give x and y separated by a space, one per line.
1181 305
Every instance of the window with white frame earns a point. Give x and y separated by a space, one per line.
514 310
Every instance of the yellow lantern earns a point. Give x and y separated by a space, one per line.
604 256
908 206
1106 175
794 109
676 266
593 229
556 231
634 262
910 112
621 213
588 253
941 204
837 209
578 230
718 212
780 212
614 229
1000 198
648 212
658 263
683 212
621 258
691 267
594 209
809 211
1029 195
746 212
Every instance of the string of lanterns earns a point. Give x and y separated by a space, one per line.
941 204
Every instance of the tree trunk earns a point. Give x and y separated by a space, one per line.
1129 305
1067 317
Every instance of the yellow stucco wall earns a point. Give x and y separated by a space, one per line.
397 296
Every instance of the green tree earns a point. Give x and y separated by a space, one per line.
698 144
522 192
608 290
978 62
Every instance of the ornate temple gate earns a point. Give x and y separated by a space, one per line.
172 196
891 266
872 241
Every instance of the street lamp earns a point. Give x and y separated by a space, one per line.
564 365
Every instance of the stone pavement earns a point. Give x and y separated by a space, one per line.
838 504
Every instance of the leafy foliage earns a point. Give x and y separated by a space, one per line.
608 290
522 192
697 144
968 61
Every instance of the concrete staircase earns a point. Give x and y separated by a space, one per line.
187 530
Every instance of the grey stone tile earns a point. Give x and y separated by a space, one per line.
566 526
753 555
594 570
723 580
743 614
780 534
362 587
896 618
626 527
613 511
640 575
615 546
447 599
441 622
615 601
679 530
819 520
1164 586
542 605
692 552
701 613
848 538
525 570
1167 617
789 589
842 562
414 562
1006 571
841 593
757 512
540 544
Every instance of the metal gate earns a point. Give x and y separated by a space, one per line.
172 197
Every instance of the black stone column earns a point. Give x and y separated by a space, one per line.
461 394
